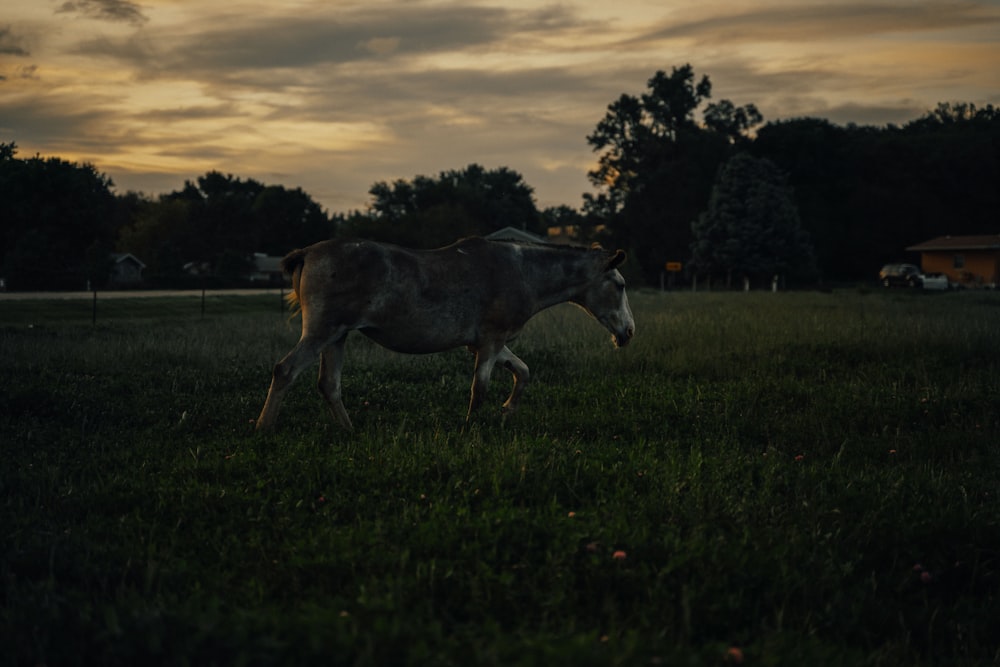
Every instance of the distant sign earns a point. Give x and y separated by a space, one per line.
674 266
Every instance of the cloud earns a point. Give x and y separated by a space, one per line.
53 121
27 72
296 41
354 66
105 10
238 41
333 97
182 112
809 22
381 46
134 52
11 44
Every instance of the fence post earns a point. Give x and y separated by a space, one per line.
93 310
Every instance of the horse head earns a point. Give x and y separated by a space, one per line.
605 299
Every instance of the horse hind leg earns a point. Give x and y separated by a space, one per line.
519 370
285 371
331 362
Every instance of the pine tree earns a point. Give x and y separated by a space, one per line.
751 228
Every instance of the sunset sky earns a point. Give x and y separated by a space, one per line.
334 96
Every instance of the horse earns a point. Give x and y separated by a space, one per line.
475 293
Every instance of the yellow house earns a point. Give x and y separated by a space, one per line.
967 260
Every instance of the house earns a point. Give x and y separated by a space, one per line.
514 234
973 261
267 270
126 269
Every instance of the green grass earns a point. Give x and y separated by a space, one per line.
779 471
81 310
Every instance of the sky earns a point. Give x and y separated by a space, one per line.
334 96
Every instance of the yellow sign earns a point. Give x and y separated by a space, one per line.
674 266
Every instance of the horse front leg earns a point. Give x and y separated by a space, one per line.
519 370
331 362
485 358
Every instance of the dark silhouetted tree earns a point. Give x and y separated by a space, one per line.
163 235
218 223
732 121
866 193
59 222
751 228
288 219
430 212
656 164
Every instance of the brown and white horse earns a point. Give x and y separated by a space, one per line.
475 292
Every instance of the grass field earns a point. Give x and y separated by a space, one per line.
772 479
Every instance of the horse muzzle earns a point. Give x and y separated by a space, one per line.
622 338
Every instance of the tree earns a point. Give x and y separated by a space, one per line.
59 222
815 154
634 131
622 135
656 164
219 222
731 121
288 219
751 227
866 193
162 235
430 212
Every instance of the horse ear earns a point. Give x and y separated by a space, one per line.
615 260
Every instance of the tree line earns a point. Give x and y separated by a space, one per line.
724 196
859 195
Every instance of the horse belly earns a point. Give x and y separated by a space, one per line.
425 320
420 329
407 340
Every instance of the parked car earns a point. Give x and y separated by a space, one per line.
935 281
900 275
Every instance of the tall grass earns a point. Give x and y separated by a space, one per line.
804 478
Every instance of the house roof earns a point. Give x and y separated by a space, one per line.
127 257
984 242
514 234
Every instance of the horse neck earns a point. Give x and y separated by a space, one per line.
555 275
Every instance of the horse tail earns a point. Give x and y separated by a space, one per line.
292 267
